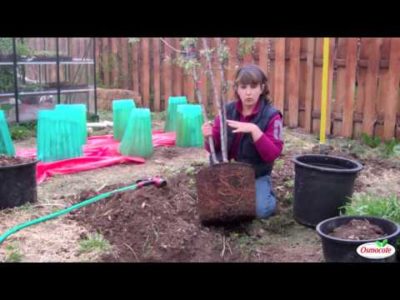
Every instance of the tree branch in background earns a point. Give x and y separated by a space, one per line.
171 47
207 54
188 60
222 54
198 94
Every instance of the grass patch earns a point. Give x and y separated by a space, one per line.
370 141
13 254
94 243
190 171
289 183
288 198
279 163
278 224
377 206
171 171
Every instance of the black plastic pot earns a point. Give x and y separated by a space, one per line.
18 185
322 185
343 250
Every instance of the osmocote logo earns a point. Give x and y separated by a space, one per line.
376 250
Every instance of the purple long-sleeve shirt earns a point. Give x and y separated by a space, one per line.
269 145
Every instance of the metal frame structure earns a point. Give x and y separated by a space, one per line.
59 91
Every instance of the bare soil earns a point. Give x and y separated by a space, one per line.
358 230
153 224
163 224
7 161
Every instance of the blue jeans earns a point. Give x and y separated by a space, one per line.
265 198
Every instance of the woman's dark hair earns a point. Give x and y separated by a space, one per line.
252 74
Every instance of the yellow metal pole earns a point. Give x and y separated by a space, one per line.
324 92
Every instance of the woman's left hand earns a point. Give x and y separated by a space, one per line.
241 126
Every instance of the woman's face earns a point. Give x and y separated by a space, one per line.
249 93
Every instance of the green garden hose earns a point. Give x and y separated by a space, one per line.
66 210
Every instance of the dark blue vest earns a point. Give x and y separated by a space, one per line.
247 152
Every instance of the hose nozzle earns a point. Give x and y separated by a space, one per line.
156 180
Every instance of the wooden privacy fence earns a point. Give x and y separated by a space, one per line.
364 77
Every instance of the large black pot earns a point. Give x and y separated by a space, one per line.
18 184
343 250
322 185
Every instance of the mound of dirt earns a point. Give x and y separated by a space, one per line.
7 161
163 225
358 230
154 224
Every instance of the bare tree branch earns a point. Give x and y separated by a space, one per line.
171 47
217 102
223 92
198 94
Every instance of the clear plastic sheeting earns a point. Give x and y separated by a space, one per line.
121 111
188 126
59 135
137 139
78 111
173 102
6 144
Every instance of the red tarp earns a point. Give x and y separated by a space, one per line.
100 151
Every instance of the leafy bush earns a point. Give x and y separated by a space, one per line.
7 72
6 47
246 46
23 131
92 117
6 79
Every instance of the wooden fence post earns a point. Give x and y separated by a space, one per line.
372 46
156 77
350 81
145 72
279 84
105 62
391 102
167 73
177 71
124 63
309 84
293 87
